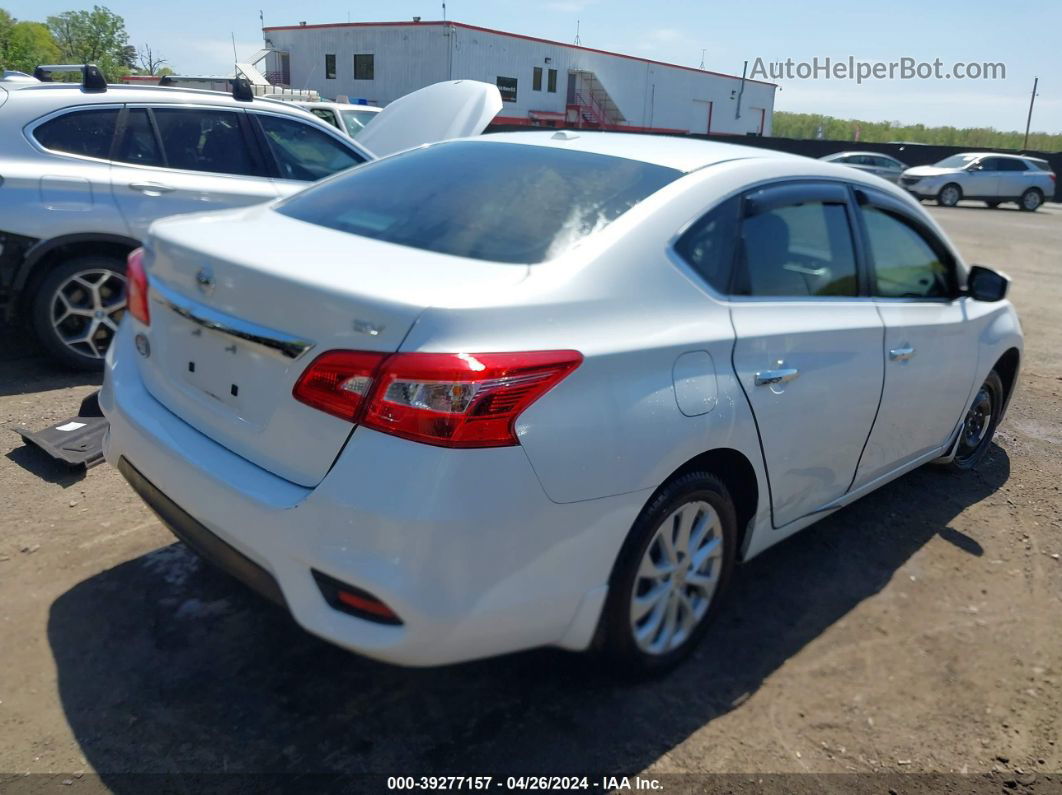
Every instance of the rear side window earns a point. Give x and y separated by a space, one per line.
799 250
204 140
708 246
491 201
1043 165
905 264
82 132
305 153
1011 164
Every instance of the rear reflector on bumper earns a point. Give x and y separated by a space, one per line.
356 602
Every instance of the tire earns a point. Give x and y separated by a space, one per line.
713 537
1031 200
949 195
76 309
993 203
979 425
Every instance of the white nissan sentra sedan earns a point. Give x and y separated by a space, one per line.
544 388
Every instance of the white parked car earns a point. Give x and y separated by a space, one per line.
544 388
986 176
884 166
351 119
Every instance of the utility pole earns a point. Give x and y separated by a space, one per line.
1028 120
578 41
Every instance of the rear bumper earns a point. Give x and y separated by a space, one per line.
463 545
195 535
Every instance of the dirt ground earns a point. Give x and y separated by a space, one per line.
917 631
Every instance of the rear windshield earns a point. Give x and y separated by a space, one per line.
491 201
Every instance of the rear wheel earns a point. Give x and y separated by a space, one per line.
1031 200
670 575
980 423
949 195
77 308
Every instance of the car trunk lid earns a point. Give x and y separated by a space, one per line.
236 320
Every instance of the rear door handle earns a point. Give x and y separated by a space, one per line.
901 354
152 188
769 377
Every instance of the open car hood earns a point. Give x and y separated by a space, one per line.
452 109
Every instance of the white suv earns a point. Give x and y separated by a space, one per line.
85 168
985 176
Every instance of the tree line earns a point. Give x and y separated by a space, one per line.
97 36
812 125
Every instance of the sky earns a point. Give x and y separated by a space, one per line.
194 36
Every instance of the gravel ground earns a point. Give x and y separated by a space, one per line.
916 631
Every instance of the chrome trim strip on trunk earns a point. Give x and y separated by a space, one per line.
272 340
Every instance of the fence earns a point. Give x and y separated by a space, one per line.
909 153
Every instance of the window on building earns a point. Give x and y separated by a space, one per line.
364 68
536 79
552 85
330 66
507 87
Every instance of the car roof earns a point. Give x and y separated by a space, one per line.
59 95
996 154
683 154
308 104
861 152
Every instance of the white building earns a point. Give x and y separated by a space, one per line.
542 82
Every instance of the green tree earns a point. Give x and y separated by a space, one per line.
24 45
30 45
97 36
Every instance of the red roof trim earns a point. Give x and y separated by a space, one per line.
513 36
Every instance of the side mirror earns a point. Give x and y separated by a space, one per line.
985 284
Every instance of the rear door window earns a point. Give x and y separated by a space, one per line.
799 250
303 152
138 144
201 139
88 133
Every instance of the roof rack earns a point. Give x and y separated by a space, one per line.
92 79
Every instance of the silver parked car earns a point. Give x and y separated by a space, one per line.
883 166
86 168
986 176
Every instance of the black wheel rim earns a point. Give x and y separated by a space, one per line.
975 427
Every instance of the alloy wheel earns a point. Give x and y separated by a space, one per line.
949 196
677 578
1031 200
86 310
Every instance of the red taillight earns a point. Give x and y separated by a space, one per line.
137 289
338 382
445 399
1052 176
